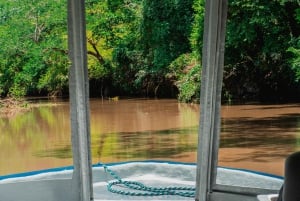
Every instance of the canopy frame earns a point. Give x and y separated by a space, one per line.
210 111
79 187
82 188
210 98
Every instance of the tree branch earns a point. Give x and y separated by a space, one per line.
96 54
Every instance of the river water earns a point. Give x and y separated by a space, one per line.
253 136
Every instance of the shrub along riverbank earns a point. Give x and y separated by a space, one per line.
12 106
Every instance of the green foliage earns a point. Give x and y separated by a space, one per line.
189 88
150 47
297 15
189 85
129 74
295 50
185 70
113 34
258 35
197 27
295 60
31 33
185 73
55 79
165 29
112 21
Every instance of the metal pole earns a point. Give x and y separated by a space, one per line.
210 99
82 188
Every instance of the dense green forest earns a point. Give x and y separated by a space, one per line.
151 48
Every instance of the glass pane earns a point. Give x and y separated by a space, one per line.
258 137
36 139
121 130
139 129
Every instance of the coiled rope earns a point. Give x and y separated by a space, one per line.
135 188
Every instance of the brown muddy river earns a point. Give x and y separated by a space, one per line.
255 137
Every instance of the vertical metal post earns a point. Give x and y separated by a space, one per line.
210 99
82 188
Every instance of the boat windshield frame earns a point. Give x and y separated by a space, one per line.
210 99
210 110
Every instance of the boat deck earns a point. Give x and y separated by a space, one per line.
55 185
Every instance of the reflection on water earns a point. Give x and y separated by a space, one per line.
256 137
120 130
25 136
259 137
165 144
142 129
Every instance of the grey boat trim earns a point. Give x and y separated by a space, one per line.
79 187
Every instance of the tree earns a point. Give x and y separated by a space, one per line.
165 32
112 29
258 35
295 48
185 71
32 46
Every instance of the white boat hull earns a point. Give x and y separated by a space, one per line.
56 185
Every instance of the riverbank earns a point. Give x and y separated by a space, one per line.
10 107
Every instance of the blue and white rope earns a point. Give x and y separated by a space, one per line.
135 188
